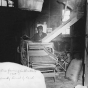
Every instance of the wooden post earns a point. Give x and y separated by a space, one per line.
86 50
59 29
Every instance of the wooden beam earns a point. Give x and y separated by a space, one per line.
86 51
62 27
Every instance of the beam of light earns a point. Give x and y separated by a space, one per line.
66 31
66 15
61 28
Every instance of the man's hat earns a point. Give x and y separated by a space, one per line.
40 27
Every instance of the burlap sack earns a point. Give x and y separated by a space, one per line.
74 70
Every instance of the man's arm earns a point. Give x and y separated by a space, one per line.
45 34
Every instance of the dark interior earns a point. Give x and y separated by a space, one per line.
15 22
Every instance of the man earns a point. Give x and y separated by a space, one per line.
40 35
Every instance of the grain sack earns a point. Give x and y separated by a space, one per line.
14 75
73 70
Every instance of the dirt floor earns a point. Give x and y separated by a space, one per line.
61 82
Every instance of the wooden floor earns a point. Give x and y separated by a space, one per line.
61 82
